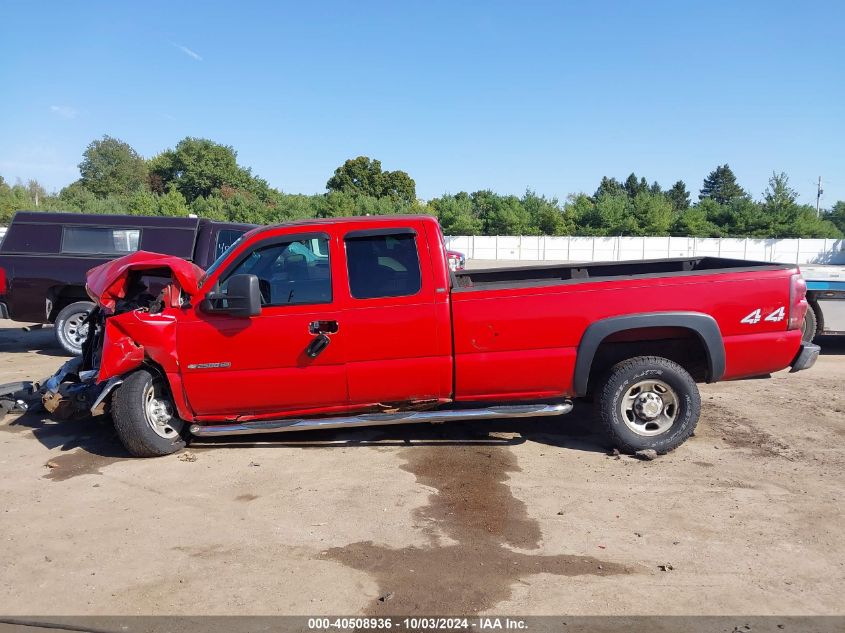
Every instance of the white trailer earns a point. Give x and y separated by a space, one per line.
826 295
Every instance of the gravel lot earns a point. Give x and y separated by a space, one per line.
510 517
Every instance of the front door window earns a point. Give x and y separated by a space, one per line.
289 273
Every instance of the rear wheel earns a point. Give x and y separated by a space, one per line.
144 416
71 327
810 325
647 402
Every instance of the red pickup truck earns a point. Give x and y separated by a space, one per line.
360 322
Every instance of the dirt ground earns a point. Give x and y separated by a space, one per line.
512 517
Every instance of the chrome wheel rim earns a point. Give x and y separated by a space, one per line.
159 412
76 329
649 407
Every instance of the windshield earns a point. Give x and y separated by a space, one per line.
217 262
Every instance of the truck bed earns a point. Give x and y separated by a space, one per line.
546 275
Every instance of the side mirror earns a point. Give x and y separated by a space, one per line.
242 297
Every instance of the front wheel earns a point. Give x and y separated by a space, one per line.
71 326
647 402
144 416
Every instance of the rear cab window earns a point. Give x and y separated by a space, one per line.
383 263
90 240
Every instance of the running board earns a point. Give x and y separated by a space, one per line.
379 419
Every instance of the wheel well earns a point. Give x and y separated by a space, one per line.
678 344
62 296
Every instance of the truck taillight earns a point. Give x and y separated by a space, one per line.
798 305
2 281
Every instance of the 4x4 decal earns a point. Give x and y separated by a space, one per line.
757 315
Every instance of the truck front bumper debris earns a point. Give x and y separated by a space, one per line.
71 392
806 357
16 396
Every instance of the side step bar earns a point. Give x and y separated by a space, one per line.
378 419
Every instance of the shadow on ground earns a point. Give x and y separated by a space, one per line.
575 430
42 341
831 345
97 436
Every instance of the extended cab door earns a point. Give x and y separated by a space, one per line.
258 365
395 320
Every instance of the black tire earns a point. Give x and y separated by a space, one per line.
623 379
68 326
132 420
810 325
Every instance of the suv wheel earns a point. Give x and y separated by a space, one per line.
71 328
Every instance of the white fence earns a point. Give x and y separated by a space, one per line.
602 249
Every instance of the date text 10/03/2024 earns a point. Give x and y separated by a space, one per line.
417 623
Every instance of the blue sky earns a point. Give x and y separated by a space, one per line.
461 95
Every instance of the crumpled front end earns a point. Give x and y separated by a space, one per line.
131 326
115 281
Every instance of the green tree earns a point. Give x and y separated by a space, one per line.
456 214
693 221
111 167
200 167
654 213
678 196
211 208
75 197
360 176
36 192
805 223
363 176
779 197
398 185
173 203
143 202
608 187
634 186
483 203
743 217
546 214
508 216
836 215
721 186
610 214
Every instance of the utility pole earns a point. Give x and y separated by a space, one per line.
819 193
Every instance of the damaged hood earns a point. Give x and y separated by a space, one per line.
107 283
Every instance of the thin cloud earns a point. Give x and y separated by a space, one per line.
66 112
189 52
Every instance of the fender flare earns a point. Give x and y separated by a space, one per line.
704 326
